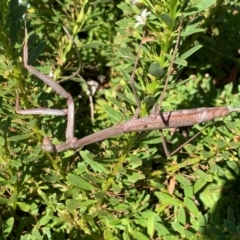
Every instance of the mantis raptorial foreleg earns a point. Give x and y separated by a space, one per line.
37 111
55 86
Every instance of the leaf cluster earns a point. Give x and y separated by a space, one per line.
125 187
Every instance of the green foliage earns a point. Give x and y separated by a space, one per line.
125 187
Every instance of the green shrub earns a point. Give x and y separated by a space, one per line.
124 187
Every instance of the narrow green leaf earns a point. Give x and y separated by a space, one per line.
190 52
30 159
134 161
204 4
36 52
8 226
92 178
73 204
216 219
209 140
125 8
161 229
152 138
2 141
16 164
142 207
200 6
191 31
44 220
17 138
66 218
215 231
100 195
150 224
222 144
115 102
139 236
16 14
234 166
87 203
116 188
89 158
36 234
128 56
125 74
194 223
125 98
188 191
230 226
108 235
4 200
122 207
177 227
230 215
134 176
81 168
93 44
238 229
114 115
79 182
24 206
181 61
166 19
90 26
181 179
169 199
191 206
201 223
188 234
204 176
200 184
113 223
182 216
50 178
194 23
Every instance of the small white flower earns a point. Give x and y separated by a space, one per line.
51 74
134 1
141 19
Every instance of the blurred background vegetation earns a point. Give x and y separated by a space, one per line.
125 187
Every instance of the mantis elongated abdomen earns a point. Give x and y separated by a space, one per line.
178 118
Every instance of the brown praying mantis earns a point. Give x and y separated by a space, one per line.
156 120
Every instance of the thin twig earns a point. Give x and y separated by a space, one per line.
188 141
164 143
132 79
78 56
159 103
